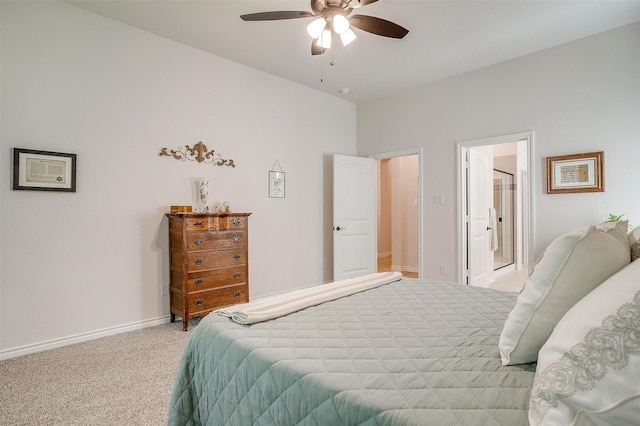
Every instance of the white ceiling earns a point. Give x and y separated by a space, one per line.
445 37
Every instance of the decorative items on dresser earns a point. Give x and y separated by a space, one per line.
209 262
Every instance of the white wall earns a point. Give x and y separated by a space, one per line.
74 82
580 97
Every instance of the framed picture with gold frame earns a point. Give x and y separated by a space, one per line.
575 173
43 170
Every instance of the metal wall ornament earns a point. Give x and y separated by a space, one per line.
199 152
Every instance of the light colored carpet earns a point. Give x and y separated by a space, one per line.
125 379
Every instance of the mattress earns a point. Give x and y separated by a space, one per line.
412 352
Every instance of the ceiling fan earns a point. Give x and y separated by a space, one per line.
334 17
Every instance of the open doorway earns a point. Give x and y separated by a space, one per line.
494 217
399 206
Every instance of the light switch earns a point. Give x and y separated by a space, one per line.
438 199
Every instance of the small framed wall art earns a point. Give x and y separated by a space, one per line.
43 170
575 173
276 181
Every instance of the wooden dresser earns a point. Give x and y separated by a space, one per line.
209 262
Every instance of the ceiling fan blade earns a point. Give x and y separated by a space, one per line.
378 26
275 16
315 49
355 4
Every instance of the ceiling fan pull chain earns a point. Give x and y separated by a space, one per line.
321 70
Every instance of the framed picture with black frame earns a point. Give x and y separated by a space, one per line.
43 170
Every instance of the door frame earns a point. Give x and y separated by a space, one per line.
462 149
404 153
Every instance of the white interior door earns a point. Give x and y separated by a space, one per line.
480 199
354 217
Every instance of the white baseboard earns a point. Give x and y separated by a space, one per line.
405 268
82 337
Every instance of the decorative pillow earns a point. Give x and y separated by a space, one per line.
571 266
634 242
589 370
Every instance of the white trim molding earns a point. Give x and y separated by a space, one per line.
82 337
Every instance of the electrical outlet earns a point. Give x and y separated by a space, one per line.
164 291
443 269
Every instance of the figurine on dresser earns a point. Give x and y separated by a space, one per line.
202 187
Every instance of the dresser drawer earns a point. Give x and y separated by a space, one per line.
215 223
197 281
212 299
215 240
203 260
205 301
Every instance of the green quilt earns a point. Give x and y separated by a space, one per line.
411 352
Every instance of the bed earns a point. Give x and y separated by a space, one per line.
387 350
410 352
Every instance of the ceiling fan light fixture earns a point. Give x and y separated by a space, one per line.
315 28
331 17
325 39
340 24
347 37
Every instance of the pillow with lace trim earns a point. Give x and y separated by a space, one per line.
588 371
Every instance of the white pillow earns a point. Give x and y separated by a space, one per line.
589 370
572 265
634 243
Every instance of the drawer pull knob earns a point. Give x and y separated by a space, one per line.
198 261
237 294
198 302
198 281
236 222
236 257
236 239
198 242
198 223
236 275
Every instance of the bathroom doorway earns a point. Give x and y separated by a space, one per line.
512 241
